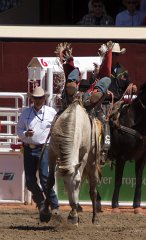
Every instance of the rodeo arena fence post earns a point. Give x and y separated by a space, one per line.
43 71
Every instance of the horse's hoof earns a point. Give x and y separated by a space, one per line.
44 215
79 208
138 210
55 211
116 210
99 209
73 220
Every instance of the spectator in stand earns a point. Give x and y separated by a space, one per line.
7 4
144 22
143 9
131 16
114 7
143 6
97 15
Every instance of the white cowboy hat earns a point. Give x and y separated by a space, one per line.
38 92
116 48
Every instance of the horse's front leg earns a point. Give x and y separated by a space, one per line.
73 216
120 164
139 167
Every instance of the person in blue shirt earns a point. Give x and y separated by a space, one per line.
131 16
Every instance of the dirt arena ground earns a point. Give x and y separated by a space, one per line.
20 222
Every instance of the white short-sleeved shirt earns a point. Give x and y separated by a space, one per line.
40 122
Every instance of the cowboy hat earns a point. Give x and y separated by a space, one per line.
116 48
38 92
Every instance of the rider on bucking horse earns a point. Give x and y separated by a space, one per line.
109 83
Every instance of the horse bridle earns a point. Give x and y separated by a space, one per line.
131 131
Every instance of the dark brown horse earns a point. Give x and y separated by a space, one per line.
128 142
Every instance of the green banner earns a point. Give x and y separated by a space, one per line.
106 185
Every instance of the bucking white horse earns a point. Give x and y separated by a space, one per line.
74 148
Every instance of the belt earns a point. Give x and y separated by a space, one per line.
33 146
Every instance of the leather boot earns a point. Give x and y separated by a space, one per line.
95 97
71 88
93 100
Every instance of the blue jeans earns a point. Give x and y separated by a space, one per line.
31 166
103 84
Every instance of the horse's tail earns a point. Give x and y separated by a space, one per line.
96 137
96 134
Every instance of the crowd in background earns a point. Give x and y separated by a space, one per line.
8 4
129 13
87 12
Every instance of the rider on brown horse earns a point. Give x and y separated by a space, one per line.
110 82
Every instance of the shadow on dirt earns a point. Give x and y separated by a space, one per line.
34 228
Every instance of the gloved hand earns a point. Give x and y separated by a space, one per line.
110 44
134 89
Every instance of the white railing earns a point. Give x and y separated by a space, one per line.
9 117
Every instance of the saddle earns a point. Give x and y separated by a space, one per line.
108 117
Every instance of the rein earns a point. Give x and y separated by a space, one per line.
131 132
112 102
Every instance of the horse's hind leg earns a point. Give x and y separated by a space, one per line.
72 185
139 167
98 203
92 179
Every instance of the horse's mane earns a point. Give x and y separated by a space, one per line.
74 104
69 114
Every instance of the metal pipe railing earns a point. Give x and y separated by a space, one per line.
9 116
